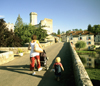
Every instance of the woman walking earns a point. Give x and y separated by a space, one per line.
34 55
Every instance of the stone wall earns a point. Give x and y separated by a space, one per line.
24 49
14 49
6 57
11 51
81 76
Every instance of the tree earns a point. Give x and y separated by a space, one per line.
89 28
54 33
94 29
75 29
68 31
80 44
26 32
80 29
8 38
62 32
58 32
18 22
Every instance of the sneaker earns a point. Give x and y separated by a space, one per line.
40 69
33 73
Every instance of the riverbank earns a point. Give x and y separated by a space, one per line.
94 73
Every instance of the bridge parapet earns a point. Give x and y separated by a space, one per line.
6 57
81 76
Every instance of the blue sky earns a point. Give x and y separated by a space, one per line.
66 14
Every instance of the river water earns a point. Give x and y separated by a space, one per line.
90 60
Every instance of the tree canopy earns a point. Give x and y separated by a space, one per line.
18 22
80 44
25 32
58 32
8 38
94 29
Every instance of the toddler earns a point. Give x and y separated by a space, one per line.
58 66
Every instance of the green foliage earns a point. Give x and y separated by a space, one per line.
26 32
58 32
83 60
94 29
20 50
62 32
89 27
68 31
94 75
80 44
93 46
86 52
80 29
54 34
77 29
19 22
8 38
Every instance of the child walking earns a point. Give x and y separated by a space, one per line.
58 66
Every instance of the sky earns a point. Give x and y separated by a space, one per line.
66 14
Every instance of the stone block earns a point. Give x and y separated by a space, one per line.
6 57
81 76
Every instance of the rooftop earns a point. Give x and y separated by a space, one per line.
80 32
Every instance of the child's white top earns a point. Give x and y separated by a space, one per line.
32 53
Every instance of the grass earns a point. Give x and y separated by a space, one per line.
94 75
85 52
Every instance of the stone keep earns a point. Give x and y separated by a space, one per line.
48 23
33 18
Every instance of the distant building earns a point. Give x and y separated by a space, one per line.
10 26
75 36
33 18
97 37
48 23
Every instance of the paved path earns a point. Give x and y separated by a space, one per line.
16 72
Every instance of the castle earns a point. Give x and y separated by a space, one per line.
48 23
10 26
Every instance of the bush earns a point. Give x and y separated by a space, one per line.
80 44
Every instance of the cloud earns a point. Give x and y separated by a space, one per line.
1 16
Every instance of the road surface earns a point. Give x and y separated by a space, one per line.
17 73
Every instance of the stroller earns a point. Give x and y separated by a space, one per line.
43 60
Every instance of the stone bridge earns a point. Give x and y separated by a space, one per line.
17 73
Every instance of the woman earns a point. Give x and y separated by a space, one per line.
34 55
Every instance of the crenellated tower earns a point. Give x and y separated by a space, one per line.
33 18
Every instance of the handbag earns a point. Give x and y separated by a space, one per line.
37 48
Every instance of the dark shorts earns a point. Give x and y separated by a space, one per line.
58 74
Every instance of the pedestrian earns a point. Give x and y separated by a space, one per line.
58 67
73 45
34 55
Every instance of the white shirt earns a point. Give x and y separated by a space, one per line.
32 53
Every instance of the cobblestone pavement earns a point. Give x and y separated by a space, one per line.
17 73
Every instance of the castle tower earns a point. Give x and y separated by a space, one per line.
48 23
33 18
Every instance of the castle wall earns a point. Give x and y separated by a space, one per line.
48 23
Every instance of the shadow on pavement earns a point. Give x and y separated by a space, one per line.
67 78
23 69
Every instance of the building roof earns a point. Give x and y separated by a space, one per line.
79 32
33 13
